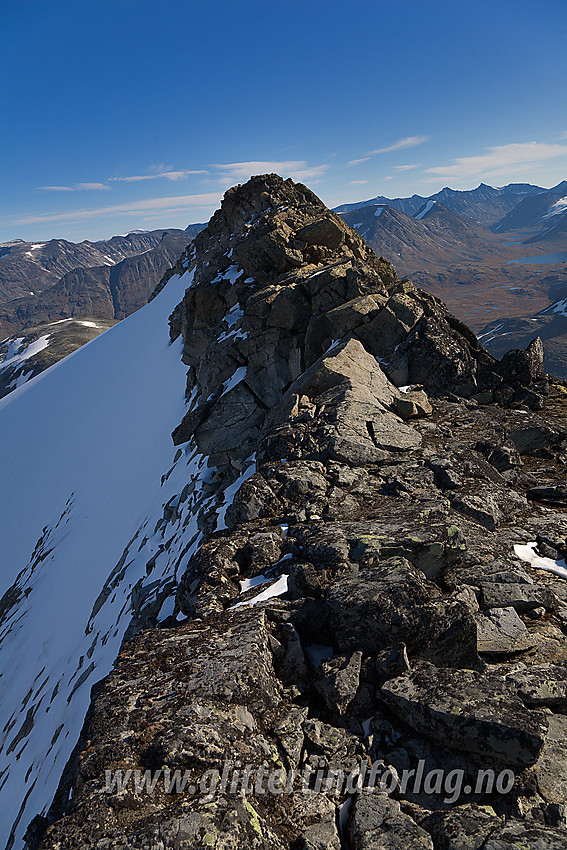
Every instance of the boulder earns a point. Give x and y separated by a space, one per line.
327 230
338 681
413 404
376 821
464 828
468 711
501 632
392 602
523 366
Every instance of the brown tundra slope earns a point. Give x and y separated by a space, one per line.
390 485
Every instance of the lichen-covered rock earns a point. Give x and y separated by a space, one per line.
501 632
521 597
516 834
378 822
338 681
469 711
464 828
541 684
379 606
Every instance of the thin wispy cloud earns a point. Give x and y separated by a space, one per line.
402 144
76 187
173 204
500 159
168 175
358 182
406 167
91 187
238 172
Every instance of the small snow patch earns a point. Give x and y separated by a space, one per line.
231 491
527 552
278 588
429 205
235 379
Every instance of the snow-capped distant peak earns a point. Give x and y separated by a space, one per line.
557 209
424 210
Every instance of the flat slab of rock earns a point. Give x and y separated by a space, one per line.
468 711
522 597
500 632
377 823
517 836
541 684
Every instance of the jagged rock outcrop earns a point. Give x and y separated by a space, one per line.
364 596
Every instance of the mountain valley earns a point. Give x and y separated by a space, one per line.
515 269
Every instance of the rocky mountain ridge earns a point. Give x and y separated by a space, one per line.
364 494
488 279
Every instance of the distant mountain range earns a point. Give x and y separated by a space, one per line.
28 268
485 204
434 236
486 252
73 292
59 279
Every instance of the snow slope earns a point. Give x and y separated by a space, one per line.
90 488
428 206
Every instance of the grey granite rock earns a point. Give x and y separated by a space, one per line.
469 711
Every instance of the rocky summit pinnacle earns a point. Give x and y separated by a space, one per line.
372 576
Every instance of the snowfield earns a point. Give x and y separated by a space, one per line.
557 209
428 206
89 488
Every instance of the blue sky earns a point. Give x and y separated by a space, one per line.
124 114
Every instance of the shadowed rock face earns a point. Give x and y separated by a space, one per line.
383 522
